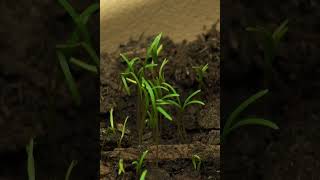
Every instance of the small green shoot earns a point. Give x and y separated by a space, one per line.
196 161
201 72
111 120
121 167
30 166
270 42
123 131
181 106
143 175
70 168
31 163
140 163
233 122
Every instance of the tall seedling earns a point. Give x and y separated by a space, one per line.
80 38
270 42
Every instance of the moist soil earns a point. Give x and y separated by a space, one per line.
202 122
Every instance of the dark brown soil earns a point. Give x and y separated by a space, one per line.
34 100
202 123
293 152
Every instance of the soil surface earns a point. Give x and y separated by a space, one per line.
34 99
202 123
178 19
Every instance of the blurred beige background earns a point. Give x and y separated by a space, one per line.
121 20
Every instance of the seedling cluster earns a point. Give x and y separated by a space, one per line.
80 38
153 91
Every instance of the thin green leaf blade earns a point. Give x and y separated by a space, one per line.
252 121
83 65
242 107
88 12
143 175
69 78
195 102
67 6
164 113
31 167
191 96
72 165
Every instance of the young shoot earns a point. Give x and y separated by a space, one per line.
140 163
123 131
180 105
233 122
196 161
31 163
121 167
111 121
201 72
145 88
144 174
270 42
70 168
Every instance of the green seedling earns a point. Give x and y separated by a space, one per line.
31 163
143 175
233 122
181 106
201 72
111 120
80 38
70 168
123 131
121 167
196 161
30 166
147 90
140 163
270 42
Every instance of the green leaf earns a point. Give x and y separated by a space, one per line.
69 9
72 165
84 65
126 87
111 120
195 102
69 78
252 121
170 96
88 12
121 167
174 103
161 72
164 113
91 53
205 68
280 31
123 130
189 98
30 168
242 107
151 93
152 50
144 154
143 175
85 46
